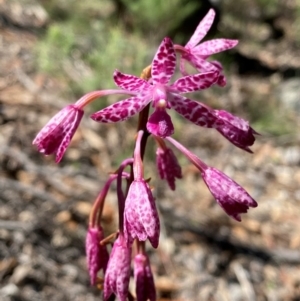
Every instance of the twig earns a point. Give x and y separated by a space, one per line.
16 225
246 285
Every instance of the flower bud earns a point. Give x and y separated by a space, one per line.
56 135
118 270
230 196
97 255
140 215
235 129
168 166
145 289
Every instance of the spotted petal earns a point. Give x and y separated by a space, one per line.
195 82
97 255
168 166
193 111
235 129
160 124
145 288
117 275
201 64
233 198
140 215
164 62
129 82
202 29
214 46
121 110
56 135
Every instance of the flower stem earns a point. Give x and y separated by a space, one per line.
121 196
193 158
91 96
144 114
97 209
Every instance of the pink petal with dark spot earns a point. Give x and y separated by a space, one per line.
160 123
144 283
96 254
193 111
195 82
230 196
210 47
201 64
164 62
202 29
235 129
221 80
117 275
140 215
121 110
56 135
130 82
168 166
182 66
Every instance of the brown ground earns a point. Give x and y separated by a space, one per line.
203 254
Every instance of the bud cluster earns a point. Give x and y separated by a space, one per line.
138 216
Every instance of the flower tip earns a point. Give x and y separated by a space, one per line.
247 149
58 158
255 132
237 217
253 204
94 116
116 72
98 117
212 12
154 241
167 40
234 42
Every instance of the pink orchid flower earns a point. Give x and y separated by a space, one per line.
168 166
197 54
158 91
96 254
233 198
117 275
145 288
56 135
141 219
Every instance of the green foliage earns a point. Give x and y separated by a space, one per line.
84 49
269 7
158 17
264 118
57 46
86 41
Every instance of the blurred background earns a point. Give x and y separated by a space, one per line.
54 51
